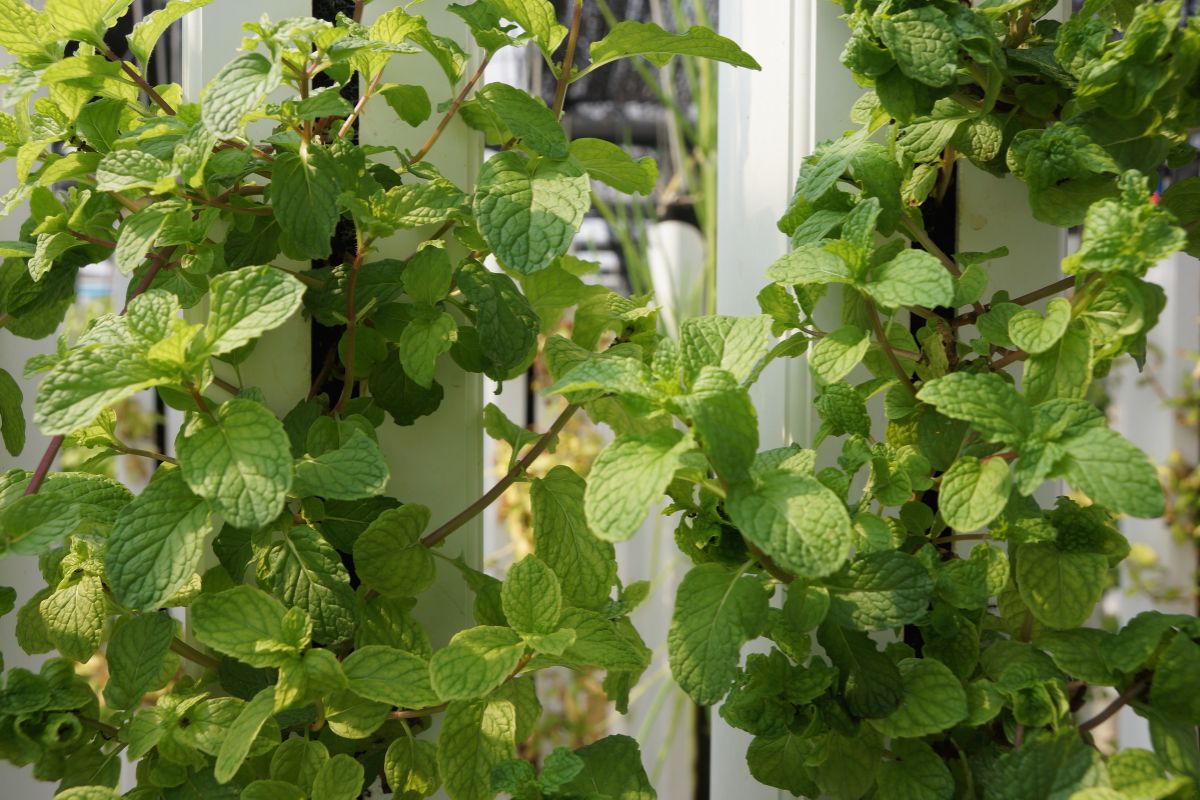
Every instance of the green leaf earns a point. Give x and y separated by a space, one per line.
353 717
529 210
411 103
246 303
810 264
389 557
353 471
424 339
912 278
532 597
475 662
613 768
304 571
795 520
428 275
869 678
122 170
304 193
74 617
339 778
135 654
242 733
247 624
157 541
723 420
735 344
879 591
526 117
137 236
240 460
152 26
12 416
476 736
1046 767
1034 333
411 768
240 87
916 773
390 676
1109 469
611 165
1064 370
933 701
973 493
832 358
988 402
970 583
628 478
507 324
1060 588
716 612
585 565
537 17
85 20
632 38
923 42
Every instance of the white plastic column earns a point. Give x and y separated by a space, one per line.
438 461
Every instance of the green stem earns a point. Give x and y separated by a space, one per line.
881 336
351 330
358 107
192 654
108 731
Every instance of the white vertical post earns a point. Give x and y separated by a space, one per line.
769 121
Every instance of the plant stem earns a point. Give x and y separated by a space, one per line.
1012 357
351 330
358 10
221 383
918 235
414 713
134 451
358 107
564 73
199 400
1024 300
450 112
768 564
83 237
137 78
1122 700
43 466
157 262
962 537
108 731
192 654
881 335
469 513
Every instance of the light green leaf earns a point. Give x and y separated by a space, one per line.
304 193
585 565
152 26
628 478
1113 472
923 42
1034 333
933 701
611 165
475 662
632 38
913 278
241 86
531 597
74 617
810 264
390 676
832 358
988 402
735 344
973 493
240 460
246 303
536 17
411 103
526 117
389 556
340 778
1060 588
135 655
476 736
137 237
716 612
411 768
423 340
242 733
121 170
530 210
353 471
85 20
303 570
157 541
353 717
247 624
795 520
723 419
879 591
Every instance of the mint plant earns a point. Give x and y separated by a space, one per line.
898 664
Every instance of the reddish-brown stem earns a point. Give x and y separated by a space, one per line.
358 10
358 107
83 237
137 78
564 73
450 112
351 330
199 400
43 467
414 713
469 513
221 383
1023 300
1122 700
1011 357
881 336
157 262
151 454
